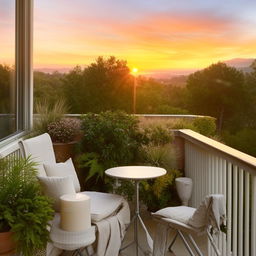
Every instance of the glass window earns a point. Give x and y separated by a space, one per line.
8 89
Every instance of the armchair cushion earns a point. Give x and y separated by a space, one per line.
178 213
62 170
55 187
103 204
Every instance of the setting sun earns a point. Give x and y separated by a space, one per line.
134 70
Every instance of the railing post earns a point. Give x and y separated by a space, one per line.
179 145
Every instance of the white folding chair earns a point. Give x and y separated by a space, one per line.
188 222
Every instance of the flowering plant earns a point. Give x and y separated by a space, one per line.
64 130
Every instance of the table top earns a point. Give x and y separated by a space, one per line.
135 172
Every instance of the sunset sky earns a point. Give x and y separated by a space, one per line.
152 35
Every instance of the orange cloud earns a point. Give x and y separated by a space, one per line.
156 41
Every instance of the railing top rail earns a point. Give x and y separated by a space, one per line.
237 157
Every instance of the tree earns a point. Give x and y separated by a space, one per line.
103 85
218 91
7 91
154 97
250 84
48 87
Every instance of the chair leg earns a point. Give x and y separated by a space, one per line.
185 243
215 248
195 245
172 242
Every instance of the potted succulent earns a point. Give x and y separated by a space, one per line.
24 212
65 134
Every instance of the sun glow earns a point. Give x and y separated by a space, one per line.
135 71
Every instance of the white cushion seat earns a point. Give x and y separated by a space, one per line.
103 204
179 213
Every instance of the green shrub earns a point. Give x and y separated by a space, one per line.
157 135
111 139
159 193
205 125
182 124
115 139
244 140
162 156
23 209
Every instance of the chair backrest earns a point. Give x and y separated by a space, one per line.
211 211
41 151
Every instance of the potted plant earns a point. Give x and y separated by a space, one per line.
64 134
24 212
46 114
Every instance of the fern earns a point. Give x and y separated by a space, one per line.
22 207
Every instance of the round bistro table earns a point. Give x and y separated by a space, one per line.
136 173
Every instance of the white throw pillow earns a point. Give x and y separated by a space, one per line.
55 187
62 170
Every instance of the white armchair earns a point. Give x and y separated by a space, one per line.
104 206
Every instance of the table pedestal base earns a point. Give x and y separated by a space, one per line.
136 220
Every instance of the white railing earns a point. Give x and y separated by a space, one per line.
217 168
12 150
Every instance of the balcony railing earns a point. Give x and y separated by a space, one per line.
217 168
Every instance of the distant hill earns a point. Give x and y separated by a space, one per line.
240 63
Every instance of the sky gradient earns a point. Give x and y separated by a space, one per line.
154 36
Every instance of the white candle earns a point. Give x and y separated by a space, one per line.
75 212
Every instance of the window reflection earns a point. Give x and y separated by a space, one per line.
8 116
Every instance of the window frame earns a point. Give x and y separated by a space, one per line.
23 69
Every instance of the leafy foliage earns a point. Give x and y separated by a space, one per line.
23 209
110 139
91 161
212 92
6 82
157 135
159 193
48 86
242 140
203 125
104 85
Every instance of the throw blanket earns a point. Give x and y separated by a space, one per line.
111 232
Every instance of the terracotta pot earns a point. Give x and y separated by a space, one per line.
7 244
63 151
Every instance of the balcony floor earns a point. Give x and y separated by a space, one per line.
178 248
